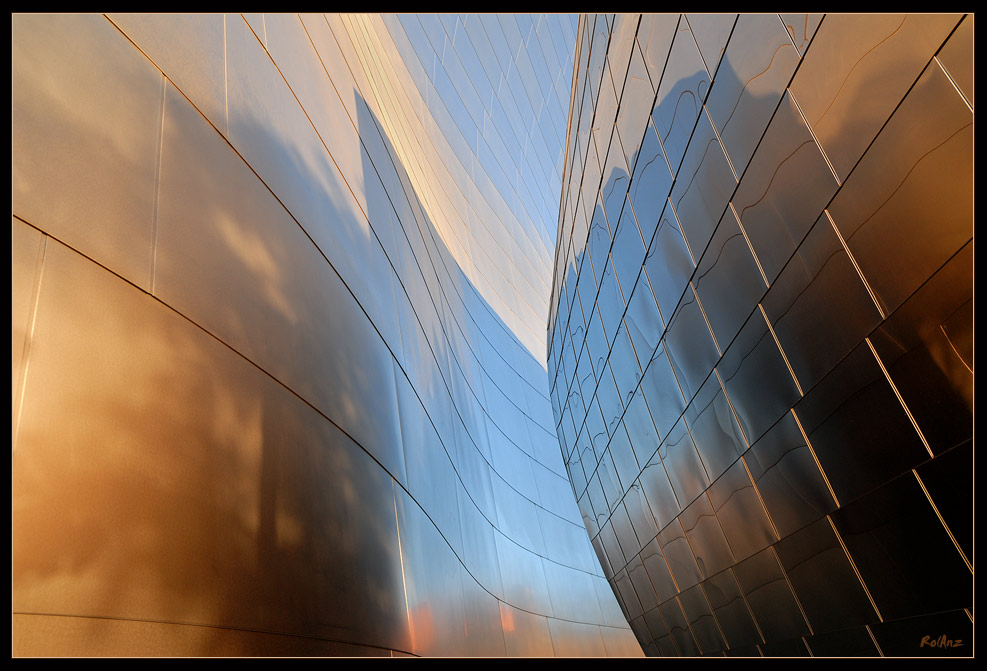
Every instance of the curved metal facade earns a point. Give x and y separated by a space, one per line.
276 285
760 343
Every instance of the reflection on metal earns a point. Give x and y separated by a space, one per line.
282 390
801 416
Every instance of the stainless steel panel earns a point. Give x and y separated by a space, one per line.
678 103
609 482
639 512
153 525
801 27
615 182
610 303
703 186
732 614
911 637
629 544
918 171
575 639
525 634
855 453
949 481
681 562
432 582
827 587
628 250
756 378
737 505
627 596
702 528
818 306
728 281
620 642
651 182
678 628
661 390
661 580
636 101
659 631
682 464
644 327
624 460
769 597
638 576
897 542
845 643
756 68
641 428
27 247
784 189
190 50
623 361
702 623
218 227
788 478
857 71
654 35
690 345
714 429
657 488
612 546
669 264
85 130
956 57
712 32
927 348
483 626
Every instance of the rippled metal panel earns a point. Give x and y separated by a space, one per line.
801 408
279 288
